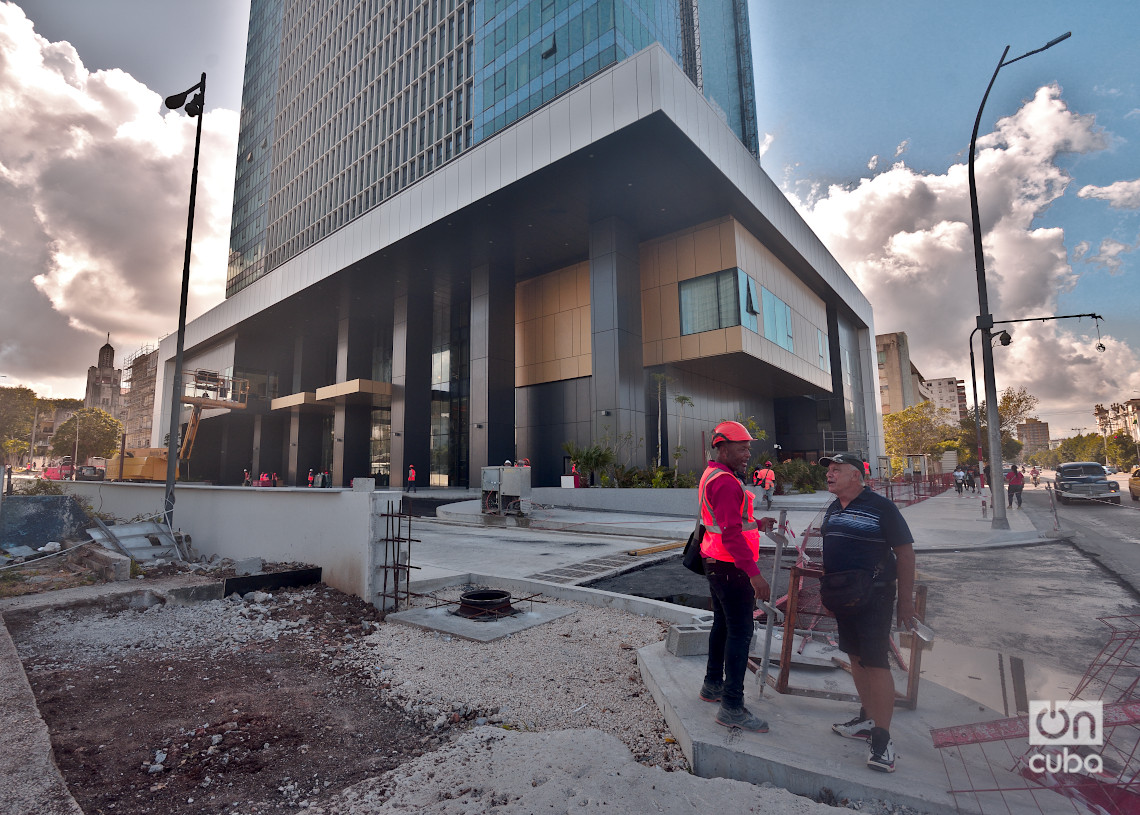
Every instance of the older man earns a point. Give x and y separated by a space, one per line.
730 547
862 530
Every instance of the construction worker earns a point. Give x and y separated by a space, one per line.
730 548
765 479
411 478
310 476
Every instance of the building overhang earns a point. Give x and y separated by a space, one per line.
355 391
638 142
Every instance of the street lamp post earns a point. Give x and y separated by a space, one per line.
195 107
985 320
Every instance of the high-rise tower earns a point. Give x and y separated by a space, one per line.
346 103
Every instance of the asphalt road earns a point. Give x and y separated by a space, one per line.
1108 533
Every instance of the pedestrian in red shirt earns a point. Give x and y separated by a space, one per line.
411 478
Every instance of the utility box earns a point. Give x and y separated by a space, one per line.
504 488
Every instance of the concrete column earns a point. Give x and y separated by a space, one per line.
492 401
293 449
353 361
411 379
256 457
615 312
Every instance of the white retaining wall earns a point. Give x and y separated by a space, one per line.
329 528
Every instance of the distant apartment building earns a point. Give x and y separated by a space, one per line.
950 393
901 385
1119 417
140 371
1034 435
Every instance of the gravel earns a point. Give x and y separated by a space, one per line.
553 718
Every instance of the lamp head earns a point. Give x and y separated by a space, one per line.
177 100
1100 347
194 106
1062 38
1004 338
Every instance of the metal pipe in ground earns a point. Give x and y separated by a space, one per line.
770 609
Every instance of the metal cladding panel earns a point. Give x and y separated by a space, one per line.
579 116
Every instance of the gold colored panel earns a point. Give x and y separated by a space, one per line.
690 346
713 343
546 346
651 352
567 289
667 261
706 248
671 349
670 312
568 368
734 339
585 365
582 278
686 257
651 314
549 284
728 255
564 335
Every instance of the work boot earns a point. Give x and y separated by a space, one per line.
741 717
712 691
882 755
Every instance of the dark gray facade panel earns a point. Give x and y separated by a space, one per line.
549 415
492 370
411 379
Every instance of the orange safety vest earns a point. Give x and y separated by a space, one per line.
765 478
711 544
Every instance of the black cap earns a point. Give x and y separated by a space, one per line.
843 458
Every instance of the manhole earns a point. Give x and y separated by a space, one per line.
485 605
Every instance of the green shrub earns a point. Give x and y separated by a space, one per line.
803 477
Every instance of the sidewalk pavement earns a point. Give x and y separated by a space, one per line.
946 522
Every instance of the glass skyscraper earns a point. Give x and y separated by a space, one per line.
347 103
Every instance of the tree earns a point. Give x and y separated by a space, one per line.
916 430
1122 450
17 409
682 401
1015 406
99 435
659 382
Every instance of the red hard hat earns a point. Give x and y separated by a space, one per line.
730 431
767 464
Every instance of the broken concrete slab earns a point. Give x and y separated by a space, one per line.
248 566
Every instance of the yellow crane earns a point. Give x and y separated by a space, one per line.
201 389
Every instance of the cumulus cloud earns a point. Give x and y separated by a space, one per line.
1119 194
1081 249
873 163
765 144
94 190
902 148
1109 255
905 238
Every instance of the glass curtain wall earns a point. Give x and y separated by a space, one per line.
450 387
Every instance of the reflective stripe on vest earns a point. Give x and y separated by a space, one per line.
711 545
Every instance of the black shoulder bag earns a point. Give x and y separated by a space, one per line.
691 557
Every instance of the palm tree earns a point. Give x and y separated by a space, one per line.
682 401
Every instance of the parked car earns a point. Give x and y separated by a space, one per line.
89 473
1134 484
1111 469
1085 480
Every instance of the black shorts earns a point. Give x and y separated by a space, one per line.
866 635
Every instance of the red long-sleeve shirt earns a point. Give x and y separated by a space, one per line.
725 496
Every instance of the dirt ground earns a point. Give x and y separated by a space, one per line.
264 729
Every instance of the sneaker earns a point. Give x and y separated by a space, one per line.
741 717
857 728
882 755
712 691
